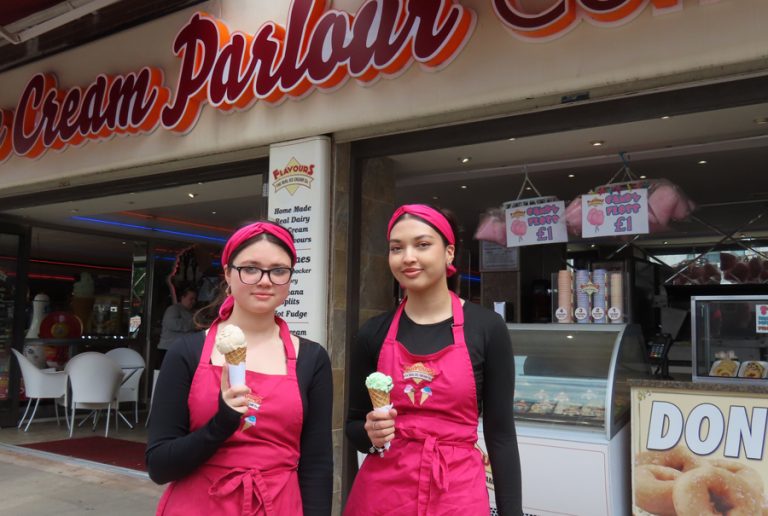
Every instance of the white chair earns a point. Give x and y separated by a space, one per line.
95 381
132 364
155 374
40 385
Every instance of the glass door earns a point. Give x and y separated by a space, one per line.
14 259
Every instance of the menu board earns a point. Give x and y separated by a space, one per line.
706 440
299 198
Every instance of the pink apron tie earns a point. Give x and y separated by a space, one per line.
253 488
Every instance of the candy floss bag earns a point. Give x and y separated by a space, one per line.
491 227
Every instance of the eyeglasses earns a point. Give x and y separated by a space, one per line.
251 275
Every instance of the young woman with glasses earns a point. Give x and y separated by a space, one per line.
260 449
450 362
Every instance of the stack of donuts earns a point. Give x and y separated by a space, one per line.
678 483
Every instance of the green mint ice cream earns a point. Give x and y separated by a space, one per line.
379 381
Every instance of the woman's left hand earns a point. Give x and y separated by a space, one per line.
234 396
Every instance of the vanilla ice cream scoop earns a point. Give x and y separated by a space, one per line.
230 340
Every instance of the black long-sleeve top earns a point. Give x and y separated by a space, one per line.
490 351
174 452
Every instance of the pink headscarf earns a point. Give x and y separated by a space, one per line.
244 234
428 214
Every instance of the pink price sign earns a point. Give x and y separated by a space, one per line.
614 214
533 224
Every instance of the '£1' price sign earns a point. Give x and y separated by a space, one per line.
616 213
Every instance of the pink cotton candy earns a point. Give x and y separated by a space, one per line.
596 217
573 217
519 228
491 229
661 204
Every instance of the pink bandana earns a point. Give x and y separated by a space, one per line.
430 215
246 233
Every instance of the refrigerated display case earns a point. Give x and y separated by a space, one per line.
572 406
729 339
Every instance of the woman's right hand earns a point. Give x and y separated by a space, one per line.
380 427
234 397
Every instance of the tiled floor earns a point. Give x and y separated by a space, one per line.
47 430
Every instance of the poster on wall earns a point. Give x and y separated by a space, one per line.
615 213
497 258
694 444
537 223
299 198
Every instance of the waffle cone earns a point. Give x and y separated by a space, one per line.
236 357
378 398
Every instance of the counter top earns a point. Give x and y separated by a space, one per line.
751 387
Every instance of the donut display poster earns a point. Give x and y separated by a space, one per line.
761 318
537 223
615 213
698 452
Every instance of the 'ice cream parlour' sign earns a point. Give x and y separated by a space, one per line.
535 221
623 212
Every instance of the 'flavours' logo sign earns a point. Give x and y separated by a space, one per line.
293 176
318 48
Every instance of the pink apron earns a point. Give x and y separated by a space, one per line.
432 467
254 472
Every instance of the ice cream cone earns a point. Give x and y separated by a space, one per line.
379 398
410 392
236 357
426 392
248 423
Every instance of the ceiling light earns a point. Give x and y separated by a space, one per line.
571 175
124 242
569 336
465 159
597 143
463 187
761 121
191 195
74 210
199 182
213 213
593 246
643 177
435 197
527 187
665 117
512 139
702 162
665 242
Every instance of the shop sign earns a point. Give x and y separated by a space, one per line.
614 214
538 223
761 316
318 48
710 440
299 198
545 20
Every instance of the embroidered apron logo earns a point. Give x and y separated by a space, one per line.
418 372
254 404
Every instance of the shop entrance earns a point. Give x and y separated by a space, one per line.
13 274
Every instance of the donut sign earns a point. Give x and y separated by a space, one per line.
698 452
615 213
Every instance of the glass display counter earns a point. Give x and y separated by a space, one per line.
729 337
572 406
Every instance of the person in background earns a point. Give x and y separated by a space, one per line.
263 448
450 361
177 321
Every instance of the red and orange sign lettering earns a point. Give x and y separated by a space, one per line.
319 48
